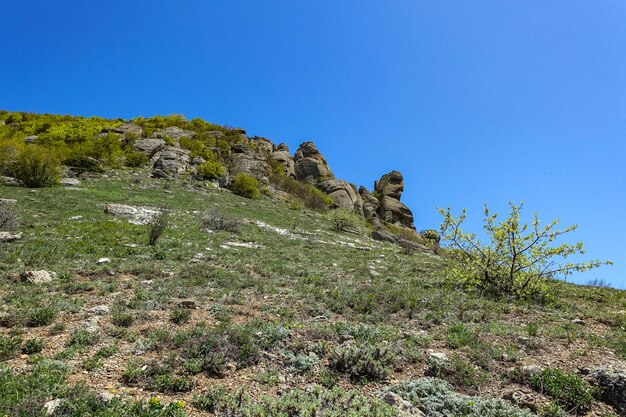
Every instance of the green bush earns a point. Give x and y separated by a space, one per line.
32 346
245 186
122 320
37 167
40 317
458 335
210 170
310 196
458 372
363 363
136 159
567 390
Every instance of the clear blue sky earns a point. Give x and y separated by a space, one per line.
474 101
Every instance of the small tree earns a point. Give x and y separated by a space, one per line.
342 219
519 259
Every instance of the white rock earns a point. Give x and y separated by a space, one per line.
51 406
6 237
36 277
100 310
69 182
103 261
120 210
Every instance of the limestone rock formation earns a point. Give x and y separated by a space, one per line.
130 128
343 194
390 210
174 132
171 161
281 155
310 164
245 160
149 146
370 207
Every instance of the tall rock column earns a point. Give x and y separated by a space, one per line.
390 210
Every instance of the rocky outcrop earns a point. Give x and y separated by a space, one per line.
370 207
612 383
310 165
126 128
281 155
149 146
390 210
174 132
245 160
343 194
171 161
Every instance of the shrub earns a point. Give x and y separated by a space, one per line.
245 186
9 347
9 217
516 263
122 320
210 170
157 225
180 315
310 196
214 219
457 371
40 317
136 159
37 167
82 337
567 390
343 220
459 335
363 363
436 397
32 346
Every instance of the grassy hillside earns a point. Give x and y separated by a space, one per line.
280 317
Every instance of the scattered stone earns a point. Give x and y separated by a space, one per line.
612 383
7 237
100 310
10 181
248 245
405 408
438 357
120 210
531 370
74 218
69 182
578 321
51 406
91 325
187 304
527 399
31 139
103 261
36 277
7 201
106 396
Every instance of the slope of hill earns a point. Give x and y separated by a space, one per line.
260 307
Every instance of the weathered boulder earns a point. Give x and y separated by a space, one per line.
10 181
198 160
612 383
343 194
172 160
36 277
7 237
120 210
384 236
310 165
281 155
31 139
244 160
393 211
149 146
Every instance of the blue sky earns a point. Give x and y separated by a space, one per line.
474 102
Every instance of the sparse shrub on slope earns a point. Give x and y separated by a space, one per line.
436 398
215 220
363 363
136 159
343 220
517 263
567 390
37 167
245 186
157 225
310 196
9 217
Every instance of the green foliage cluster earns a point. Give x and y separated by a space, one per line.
343 220
313 402
306 194
567 390
363 363
458 372
210 170
245 186
36 167
436 397
518 261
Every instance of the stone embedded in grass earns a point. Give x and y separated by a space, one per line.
120 210
138 215
99 310
103 261
51 406
36 277
7 237
69 182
